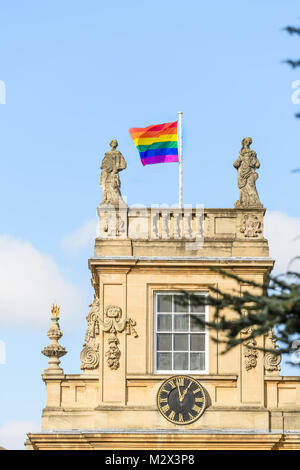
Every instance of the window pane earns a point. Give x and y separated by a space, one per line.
197 361
195 325
198 342
164 322
164 361
181 342
164 303
180 338
181 361
198 308
178 306
181 322
164 342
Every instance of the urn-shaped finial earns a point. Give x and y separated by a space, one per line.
54 351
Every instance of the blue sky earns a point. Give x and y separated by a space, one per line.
78 74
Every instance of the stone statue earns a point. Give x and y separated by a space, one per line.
246 164
112 163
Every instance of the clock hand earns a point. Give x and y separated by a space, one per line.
179 394
184 392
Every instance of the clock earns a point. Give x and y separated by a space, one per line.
181 399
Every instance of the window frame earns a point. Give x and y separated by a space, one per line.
205 332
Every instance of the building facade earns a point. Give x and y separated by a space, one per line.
152 377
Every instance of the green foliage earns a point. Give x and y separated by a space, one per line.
293 63
276 306
292 30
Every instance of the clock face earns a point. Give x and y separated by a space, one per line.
181 399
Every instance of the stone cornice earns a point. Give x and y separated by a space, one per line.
161 439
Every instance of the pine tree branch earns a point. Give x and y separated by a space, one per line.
292 30
275 305
293 63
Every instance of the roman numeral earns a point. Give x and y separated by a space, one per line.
196 408
180 418
197 390
199 400
163 400
171 383
165 408
191 416
180 381
172 415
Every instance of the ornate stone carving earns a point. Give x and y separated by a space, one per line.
113 353
249 352
114 224
114 324
271 360
250 226
90 354
54 350
246 164
112 163
95 281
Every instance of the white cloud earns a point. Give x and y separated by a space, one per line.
30 282
13 434
282 231
83 237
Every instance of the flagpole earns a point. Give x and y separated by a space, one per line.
180 157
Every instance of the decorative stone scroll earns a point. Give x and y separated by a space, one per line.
249 352
271 360
250 226
90 354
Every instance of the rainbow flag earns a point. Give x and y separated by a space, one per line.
156 144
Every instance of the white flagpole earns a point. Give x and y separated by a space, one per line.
180 157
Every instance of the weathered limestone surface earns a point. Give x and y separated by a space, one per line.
173 232
117 388
246 164
111 404
112 163
178 439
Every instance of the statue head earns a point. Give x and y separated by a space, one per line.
246 142
114 144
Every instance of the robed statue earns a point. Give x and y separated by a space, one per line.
112 163
246 165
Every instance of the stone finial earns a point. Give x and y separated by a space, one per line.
246 164
112 163
54 351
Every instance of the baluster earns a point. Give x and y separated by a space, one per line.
177 224
154 223
165 223
188 224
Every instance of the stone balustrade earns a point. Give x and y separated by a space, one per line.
164 223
